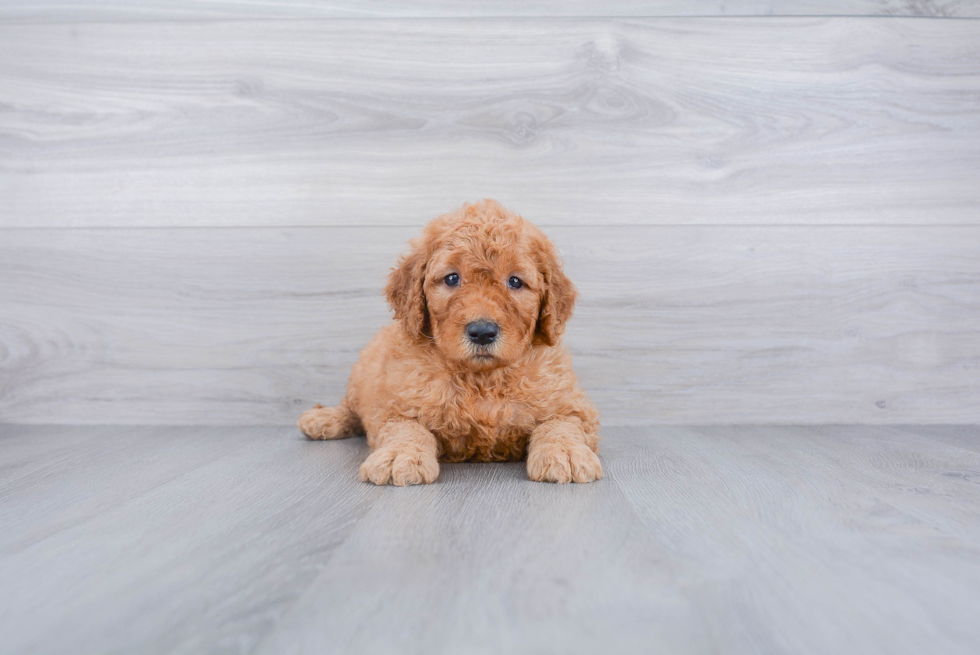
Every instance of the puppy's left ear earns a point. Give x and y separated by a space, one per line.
405 293
559 296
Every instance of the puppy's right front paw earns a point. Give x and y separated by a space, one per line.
401 466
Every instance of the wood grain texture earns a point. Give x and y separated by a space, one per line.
223 545
129 10
675 324
578 121
488 562
103 469
953 435
804 516
750 539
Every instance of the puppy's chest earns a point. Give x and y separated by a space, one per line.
493 413
483 426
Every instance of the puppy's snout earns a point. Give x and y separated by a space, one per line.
482 332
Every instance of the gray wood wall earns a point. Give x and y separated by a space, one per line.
772 218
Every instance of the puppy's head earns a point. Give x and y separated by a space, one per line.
484 284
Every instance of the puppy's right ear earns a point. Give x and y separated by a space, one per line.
405 293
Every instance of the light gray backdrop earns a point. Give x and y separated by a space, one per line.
771 218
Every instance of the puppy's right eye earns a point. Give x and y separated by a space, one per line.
452 280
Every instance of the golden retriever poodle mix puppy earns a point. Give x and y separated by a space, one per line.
472 368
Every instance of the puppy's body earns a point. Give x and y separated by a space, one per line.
427 387
474 415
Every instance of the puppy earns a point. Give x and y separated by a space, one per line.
472 368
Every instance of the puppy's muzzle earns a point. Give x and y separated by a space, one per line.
482 333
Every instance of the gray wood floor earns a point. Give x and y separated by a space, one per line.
699 540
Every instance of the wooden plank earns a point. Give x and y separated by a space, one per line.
962 437
740 553
812 538
205 562
123 10
103 468
675 324
578 121
21 447
883 459
486 561
749 539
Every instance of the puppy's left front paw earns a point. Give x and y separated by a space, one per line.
563 461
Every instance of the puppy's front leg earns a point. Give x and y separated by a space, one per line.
559 451
406 454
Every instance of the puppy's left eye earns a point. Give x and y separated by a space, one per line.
515 282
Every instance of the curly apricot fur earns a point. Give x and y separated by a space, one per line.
423 393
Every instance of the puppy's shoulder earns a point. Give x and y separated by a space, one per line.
402 355
550 359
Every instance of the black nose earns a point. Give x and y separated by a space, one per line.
482 332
